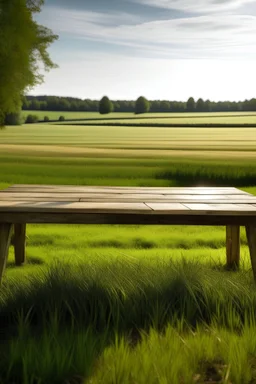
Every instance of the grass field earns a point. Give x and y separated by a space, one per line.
72 115
147 116
184 119
119 304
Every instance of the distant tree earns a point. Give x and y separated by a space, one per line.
191 104
64 105
155 106
25 103
207 106
31 119
165 106
46 118
35 105
43 105
62 118
200 105
142 105
105 106
74 106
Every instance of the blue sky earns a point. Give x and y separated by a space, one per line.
162 49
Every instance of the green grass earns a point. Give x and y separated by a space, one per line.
224 116
72 115
184 119
127 304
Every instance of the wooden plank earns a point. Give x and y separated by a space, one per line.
150 190
20 244
63 207
77 195
17 186
135 218
228 208
5 238
233 246
94 196
251 238
163 200
110 206
12 199
167 207
130 190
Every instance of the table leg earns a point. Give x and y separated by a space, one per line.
20 243
5 239
251 238
233 246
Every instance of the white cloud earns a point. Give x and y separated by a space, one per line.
222 35
226 41
196 5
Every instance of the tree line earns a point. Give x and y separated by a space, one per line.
141 105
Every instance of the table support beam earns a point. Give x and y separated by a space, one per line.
251 238
5 239
20 244
233 246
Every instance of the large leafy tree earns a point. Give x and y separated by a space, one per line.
23 52
105 106
191 104
142 105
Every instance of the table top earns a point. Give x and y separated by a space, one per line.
133 200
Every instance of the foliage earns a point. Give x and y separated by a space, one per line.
62 118
54 103
23 44
200 105
191 105
46 118
105 106
13 119
142 105
31 119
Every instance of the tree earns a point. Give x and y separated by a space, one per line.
191 105
105 106
165 106
13 119
142 105
200 105
23 45
208 106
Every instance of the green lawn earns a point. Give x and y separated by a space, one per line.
127 304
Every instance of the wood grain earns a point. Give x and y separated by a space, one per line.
251 238
233 246
20 243
5 238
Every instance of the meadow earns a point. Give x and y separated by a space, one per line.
127 304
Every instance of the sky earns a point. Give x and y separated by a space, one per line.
161 49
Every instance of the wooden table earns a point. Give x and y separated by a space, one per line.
230 207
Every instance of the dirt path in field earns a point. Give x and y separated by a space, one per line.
72 151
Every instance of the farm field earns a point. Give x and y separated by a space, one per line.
54 115
184 119
121 304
